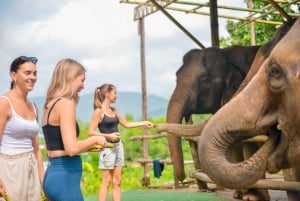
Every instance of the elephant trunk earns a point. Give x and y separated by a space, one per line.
181 130
229 126
174 116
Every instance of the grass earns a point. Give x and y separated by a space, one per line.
134 191
156 195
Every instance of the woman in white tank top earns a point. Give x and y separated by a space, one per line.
21 163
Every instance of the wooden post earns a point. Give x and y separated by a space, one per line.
252 25
146 179
214 23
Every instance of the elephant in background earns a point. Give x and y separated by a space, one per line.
271 98
207 79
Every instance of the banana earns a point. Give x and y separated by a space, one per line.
278 127
5 196
97 147
109 145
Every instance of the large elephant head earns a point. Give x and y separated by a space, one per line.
271 98
207 79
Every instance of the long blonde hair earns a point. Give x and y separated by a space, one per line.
64 73
100 92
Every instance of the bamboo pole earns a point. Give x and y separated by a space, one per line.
146 179
279 9
252 24
261 184
167 162
146 8
259 138
214 23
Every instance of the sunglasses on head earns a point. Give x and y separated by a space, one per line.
32 59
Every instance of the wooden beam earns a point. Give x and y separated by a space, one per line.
167 162
280 10
194 7
260 184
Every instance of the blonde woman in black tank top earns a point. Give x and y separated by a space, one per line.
62 178
106 120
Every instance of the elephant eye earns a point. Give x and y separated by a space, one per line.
276 76
274 72
204 80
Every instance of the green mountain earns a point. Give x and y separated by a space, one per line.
127 103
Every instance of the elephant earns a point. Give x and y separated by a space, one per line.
173 120
268 104
204 85
206 80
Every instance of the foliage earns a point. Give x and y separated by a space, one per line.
239 32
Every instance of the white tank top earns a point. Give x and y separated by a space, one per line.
18 133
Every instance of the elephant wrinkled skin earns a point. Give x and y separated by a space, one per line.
183 109
208 79
271 98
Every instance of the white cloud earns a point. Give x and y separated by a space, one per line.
102 36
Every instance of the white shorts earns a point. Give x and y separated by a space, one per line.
109 158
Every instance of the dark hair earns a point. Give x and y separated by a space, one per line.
17 62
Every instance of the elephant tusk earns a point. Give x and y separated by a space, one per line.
278 127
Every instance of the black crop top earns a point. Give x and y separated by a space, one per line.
52 134
109 125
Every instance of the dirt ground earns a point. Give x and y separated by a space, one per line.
187 193
275 195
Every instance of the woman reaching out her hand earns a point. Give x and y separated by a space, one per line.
106 119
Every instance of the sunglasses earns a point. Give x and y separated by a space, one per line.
32 59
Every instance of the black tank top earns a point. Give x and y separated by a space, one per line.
109 125
52 134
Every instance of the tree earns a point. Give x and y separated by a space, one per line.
239 33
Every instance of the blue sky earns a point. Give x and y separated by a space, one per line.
101 35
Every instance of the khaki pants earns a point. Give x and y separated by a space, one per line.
19 174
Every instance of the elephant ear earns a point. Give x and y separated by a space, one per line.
232 81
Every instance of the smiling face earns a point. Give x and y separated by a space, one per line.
79 82
25 77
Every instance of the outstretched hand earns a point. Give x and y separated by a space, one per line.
148 124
